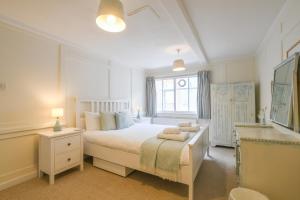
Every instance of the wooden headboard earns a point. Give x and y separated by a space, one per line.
98 106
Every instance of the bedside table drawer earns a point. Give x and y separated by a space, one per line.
66 160
67 144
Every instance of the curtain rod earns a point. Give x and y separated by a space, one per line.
174 76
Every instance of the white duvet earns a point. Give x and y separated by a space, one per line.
130 139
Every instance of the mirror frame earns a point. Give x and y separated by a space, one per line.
295 94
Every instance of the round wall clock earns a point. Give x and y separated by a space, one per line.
182 83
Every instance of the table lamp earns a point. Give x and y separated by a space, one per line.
57 113
138 113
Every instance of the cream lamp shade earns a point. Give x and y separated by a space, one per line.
57 112
110 16
178 65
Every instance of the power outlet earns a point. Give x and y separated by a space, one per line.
2 86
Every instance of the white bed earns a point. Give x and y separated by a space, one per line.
118 151
130 139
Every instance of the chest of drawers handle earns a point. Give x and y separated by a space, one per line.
69 159
69 144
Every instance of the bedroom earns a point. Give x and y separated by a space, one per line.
58 61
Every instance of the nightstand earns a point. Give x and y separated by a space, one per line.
143 120
60 151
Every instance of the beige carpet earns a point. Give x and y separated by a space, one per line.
214 181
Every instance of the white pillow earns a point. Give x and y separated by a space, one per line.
92 121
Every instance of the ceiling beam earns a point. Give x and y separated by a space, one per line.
178 13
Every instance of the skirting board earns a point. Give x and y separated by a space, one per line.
17 180
112 167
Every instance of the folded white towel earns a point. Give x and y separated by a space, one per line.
190 129
185 124
171 131
177 137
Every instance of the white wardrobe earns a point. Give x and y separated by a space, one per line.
230 104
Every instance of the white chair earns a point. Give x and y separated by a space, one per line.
245 194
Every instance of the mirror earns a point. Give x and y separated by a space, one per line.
282 95
284 108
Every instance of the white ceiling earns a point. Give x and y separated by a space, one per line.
225 28
232 28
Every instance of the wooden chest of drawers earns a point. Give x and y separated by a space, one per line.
60 151
268 161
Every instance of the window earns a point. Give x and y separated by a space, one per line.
178 94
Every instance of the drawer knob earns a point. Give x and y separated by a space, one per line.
69 159
69 144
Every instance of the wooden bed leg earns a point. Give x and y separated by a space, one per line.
191 191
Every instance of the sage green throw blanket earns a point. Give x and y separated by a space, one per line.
162 156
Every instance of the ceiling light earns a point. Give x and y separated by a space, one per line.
178 65
110 16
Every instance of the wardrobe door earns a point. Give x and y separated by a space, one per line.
221 115
243 104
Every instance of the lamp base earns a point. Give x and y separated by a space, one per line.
57 126
138 115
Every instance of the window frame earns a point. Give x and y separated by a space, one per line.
175 112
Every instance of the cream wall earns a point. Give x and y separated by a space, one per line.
284 32
225 71
25 60
88 76
138 84
29 68
42 73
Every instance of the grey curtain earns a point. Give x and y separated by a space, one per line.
150 97
203 95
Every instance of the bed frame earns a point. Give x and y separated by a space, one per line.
123 163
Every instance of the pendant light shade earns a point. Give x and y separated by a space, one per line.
178 65
110 16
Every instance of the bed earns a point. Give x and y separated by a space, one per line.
118 151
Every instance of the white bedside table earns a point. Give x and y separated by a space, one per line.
60 151
143 120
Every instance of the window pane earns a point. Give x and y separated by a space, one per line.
159 100
193 100
182 100
158 84
168 84
186 94
182 83
168 100
193 81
